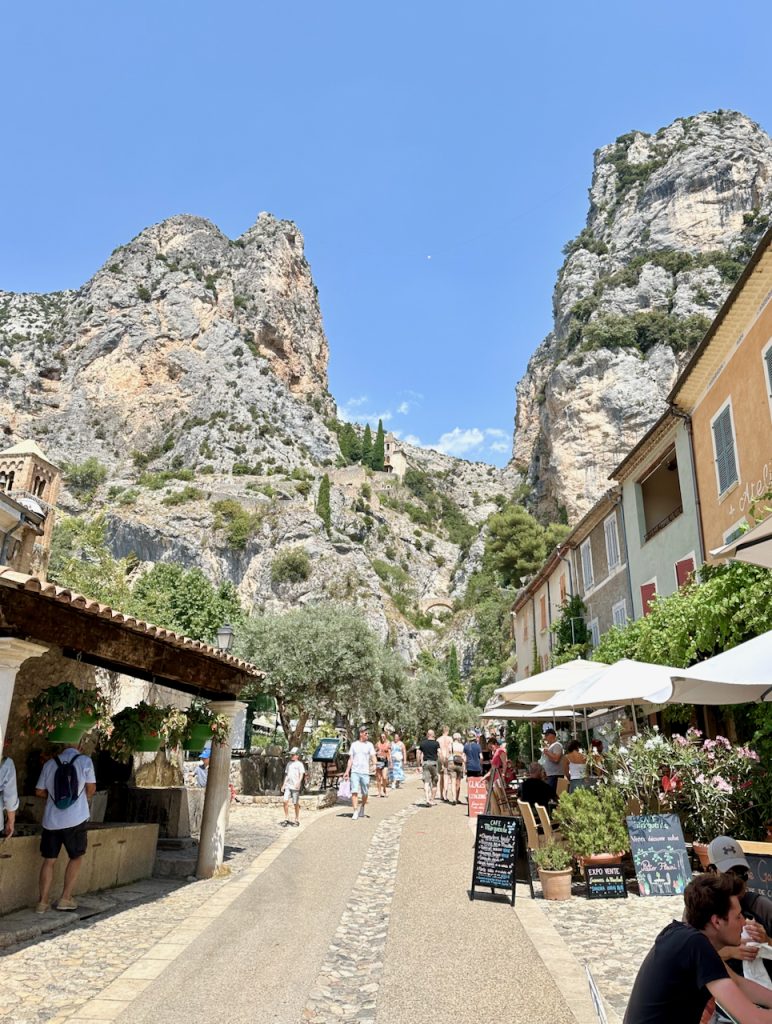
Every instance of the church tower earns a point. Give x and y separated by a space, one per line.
32 482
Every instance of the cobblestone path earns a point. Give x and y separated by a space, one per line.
346 990
53 976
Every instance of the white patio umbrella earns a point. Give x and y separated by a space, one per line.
545 684
624 682
737 676
754 547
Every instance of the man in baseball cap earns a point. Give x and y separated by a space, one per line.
725 853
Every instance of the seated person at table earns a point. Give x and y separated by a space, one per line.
726 857
683 969
534 790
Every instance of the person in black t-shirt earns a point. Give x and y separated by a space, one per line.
683 970
428 756
534 790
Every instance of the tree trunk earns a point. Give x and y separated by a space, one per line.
295 739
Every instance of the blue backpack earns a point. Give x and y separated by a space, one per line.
66 790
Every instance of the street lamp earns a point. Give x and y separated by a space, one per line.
225 637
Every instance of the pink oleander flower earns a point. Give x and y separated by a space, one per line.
724 742
680 740
722 785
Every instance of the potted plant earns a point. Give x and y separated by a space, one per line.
137 729
204 726
554 863
63 713
591 821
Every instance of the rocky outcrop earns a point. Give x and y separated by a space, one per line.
673 217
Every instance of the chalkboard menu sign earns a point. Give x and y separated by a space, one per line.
605 882
760 873
495 854
326 750
659 854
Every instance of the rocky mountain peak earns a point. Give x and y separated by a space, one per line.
673 217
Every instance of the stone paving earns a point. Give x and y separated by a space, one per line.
612 936
346 990
53 976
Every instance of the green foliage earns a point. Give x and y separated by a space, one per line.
156 481
554 533
592 821
319 660
641 331
143 293
64 705
378 449
185 601
515 546
182 497
585 240
323 503
572 637
391 574
81 561
454 675
733 603
291 566
552 856
238 523
83 478
367 447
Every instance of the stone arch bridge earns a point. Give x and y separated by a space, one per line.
436 602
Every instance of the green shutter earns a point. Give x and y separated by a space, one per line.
725 455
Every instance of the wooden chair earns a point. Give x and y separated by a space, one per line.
533 839
562 787
548 829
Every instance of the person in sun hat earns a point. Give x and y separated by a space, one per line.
293 783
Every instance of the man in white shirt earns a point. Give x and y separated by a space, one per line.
64 826
446 749
9 797
553 758
361 765
293 783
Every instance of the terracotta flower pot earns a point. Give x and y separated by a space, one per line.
556 885
701 849
598 859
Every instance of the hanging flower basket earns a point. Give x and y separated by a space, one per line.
204 726
136 729
63 713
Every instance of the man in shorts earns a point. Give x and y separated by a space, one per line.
443 765
361 765
64 827
293 783
428 757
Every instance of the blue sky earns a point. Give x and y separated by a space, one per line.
435 155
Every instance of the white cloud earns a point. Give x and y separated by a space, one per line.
460 442
413 439
352 413
494 432
499 446
403 408
354 403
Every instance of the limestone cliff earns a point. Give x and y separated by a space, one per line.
673 217
192 371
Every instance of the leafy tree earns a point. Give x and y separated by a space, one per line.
379 451
185 601
515 547
318 660
367 447
83 478
572 637
554 533
81 560
323 503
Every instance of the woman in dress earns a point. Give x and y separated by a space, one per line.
575 766
398 758
456 764
382 759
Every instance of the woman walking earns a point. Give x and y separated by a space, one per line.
456 765
382 759
398 758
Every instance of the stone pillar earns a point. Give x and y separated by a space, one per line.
12 653
211 844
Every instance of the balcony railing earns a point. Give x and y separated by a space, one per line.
663 523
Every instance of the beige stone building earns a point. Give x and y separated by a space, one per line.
29 487
394 458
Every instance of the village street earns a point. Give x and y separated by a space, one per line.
338 920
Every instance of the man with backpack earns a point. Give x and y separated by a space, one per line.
67 782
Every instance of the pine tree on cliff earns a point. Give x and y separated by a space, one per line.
454 676
367 447
378 448
323 503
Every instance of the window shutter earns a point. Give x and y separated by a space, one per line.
725 455
648 593
619 613
587 565
612 542
683 571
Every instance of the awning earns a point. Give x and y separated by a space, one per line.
753 547
624 682
737 676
